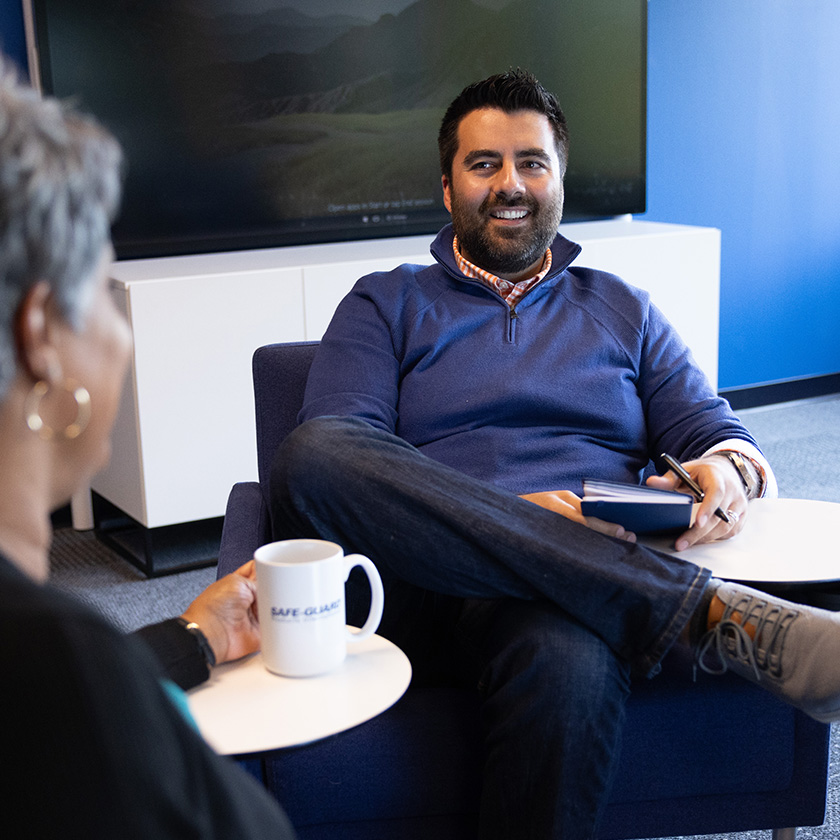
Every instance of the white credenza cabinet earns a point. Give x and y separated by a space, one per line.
185 430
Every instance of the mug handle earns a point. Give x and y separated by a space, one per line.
377 596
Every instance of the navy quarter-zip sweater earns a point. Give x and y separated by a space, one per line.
583 377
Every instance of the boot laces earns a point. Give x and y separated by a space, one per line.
729 640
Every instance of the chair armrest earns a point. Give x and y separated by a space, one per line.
246 527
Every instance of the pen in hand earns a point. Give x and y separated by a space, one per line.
692 485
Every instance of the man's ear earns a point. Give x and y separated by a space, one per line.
447 197
36 352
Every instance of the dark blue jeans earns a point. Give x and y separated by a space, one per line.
547 617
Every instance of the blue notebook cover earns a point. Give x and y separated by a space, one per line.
642 510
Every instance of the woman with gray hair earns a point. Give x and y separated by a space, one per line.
94 742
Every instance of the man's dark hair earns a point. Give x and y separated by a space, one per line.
516 90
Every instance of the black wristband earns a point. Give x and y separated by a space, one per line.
201 640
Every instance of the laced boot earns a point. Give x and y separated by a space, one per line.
789 649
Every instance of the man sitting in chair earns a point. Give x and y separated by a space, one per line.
450 416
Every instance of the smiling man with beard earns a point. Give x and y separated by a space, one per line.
452 412
506 200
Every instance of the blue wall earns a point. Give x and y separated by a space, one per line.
12 41
744 135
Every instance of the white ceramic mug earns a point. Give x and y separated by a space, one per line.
300 598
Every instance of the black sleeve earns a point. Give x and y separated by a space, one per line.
177 651
97 749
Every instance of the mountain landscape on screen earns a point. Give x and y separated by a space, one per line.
304 121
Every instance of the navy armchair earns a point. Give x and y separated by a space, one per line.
718 755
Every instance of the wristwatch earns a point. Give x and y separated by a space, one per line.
752 479
201 640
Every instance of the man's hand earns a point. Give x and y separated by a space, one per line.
567 504
226 614
723 488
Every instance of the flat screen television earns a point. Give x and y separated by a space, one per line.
264 123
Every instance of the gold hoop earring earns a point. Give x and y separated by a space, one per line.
36 423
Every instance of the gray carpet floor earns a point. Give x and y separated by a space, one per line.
801 440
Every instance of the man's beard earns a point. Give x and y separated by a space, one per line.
505 251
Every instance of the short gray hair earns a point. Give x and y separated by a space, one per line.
59 190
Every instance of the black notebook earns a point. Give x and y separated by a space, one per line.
642 510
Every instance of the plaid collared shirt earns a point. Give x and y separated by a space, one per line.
511 292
